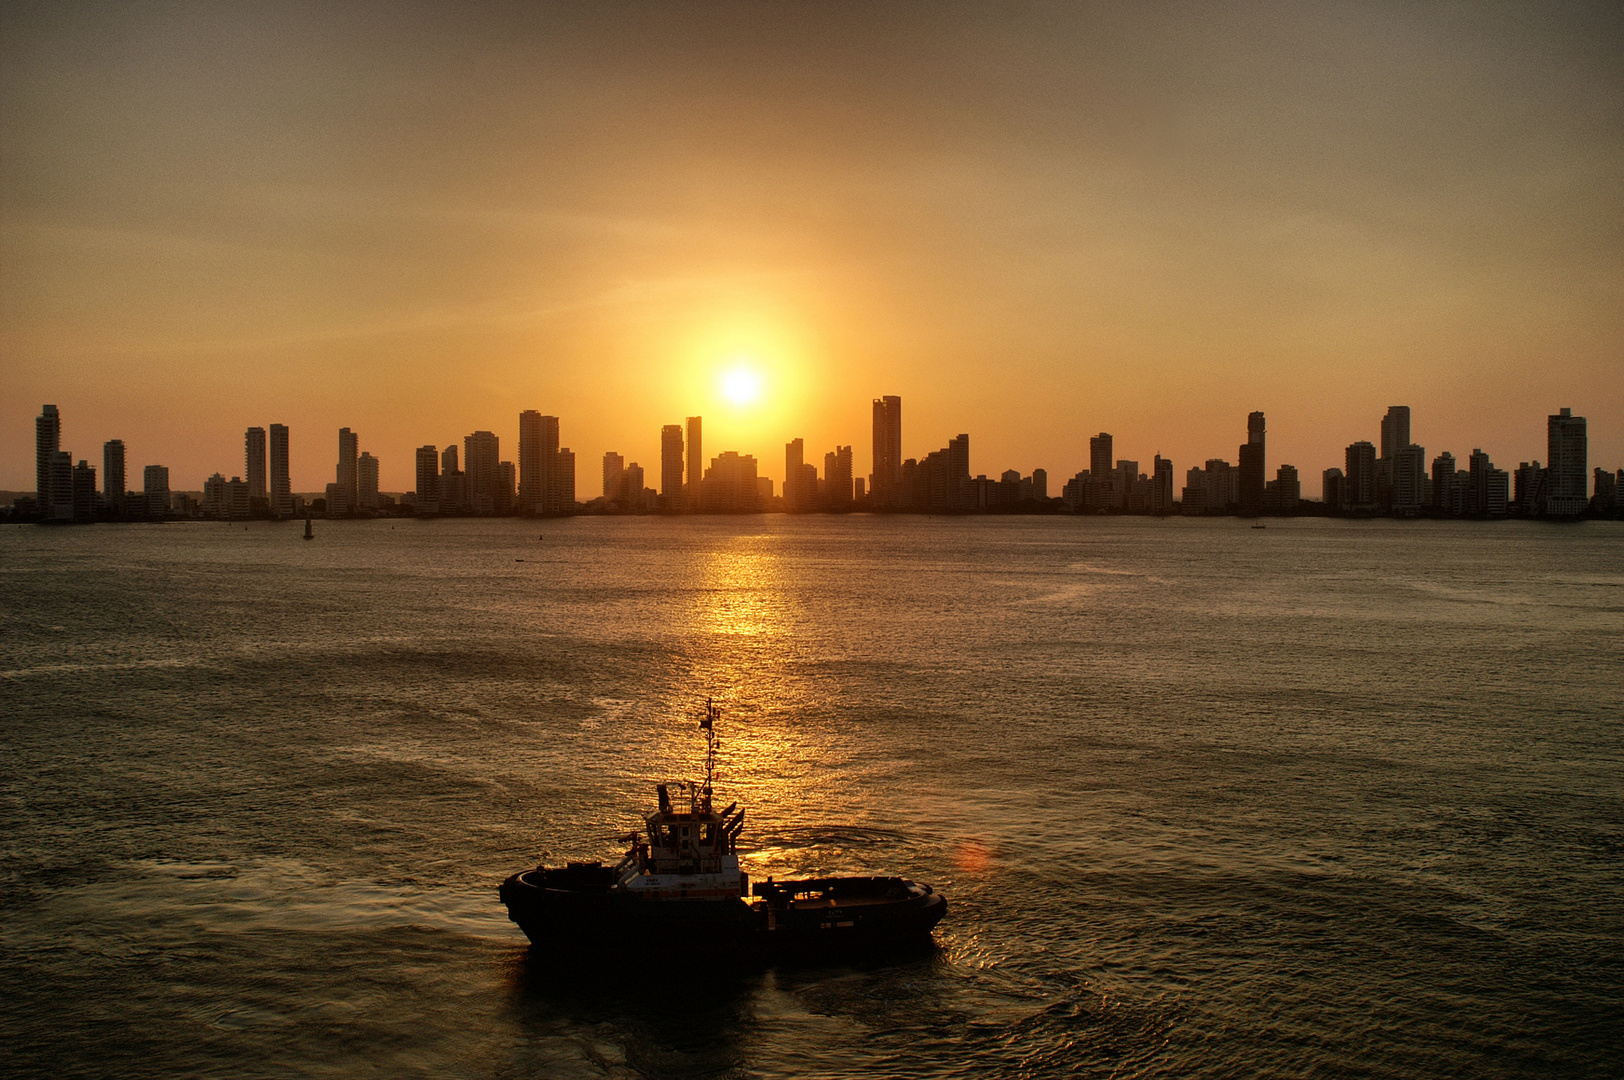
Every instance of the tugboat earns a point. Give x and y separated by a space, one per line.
679 889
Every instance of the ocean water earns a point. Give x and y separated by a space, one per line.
1322 799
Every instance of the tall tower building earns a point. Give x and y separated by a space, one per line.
538 463
113 474
366 471
796 497
1361 477
1252 466
47 441
671 465
428 479
254 451
1567 465
696 459
961 493
348 455
887 450
1161 492
1099 456
60 485
155 486
482 456
614 471
1395 431
281 492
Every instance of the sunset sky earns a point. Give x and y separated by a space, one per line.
1033 222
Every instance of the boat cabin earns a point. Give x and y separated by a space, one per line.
693 840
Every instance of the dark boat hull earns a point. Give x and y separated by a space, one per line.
576 910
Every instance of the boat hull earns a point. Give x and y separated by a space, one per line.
577 909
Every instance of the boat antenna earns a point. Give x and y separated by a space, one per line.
712 713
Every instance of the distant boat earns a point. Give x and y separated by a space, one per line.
1260 526
309 532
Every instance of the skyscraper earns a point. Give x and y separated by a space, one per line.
82 496
348 454
887 477
60 486
366 471
482 455
1566 465
1252 466
837 478
155 486
796 496
281 492
671 466
1361 477
1099 456
254 451
453 483
428 479
1395 431
113 474
538 462
1443 482
614 472
696 459
1161 496
47 441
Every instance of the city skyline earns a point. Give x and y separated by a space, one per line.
1392 481
1032 222
395 464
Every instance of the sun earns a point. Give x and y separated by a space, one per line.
741 386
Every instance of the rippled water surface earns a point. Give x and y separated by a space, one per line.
1322 799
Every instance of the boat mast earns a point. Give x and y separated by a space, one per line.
713 712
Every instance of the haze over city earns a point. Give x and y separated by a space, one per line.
1035 223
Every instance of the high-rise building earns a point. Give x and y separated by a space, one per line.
281 492
1409 476
614 474
1252 466
1361 477
482 454
1099 455
348 455
671 466
47 441
1566 465
636 493
696 459
453 483
60 486
1333 490
961 494
428 479
155 486
798 493
254 452
538 463
730 485
113 475
82 495
1443 482
837 478
887 476
1161 498
562 493
366 471
507 481
1395 431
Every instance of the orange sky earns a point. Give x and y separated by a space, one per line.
1032 221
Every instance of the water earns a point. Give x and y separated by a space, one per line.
1329 798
